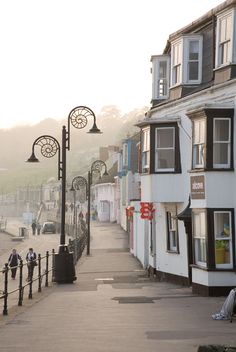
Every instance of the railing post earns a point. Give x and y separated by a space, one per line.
53 265
20 299
39 273
46 279
30 263
6 269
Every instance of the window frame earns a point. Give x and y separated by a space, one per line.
172 231
145 149
197 212
156 60
226 238
226 165
219 62
164 148
201 142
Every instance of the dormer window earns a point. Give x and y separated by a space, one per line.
225 38
186 60
160 77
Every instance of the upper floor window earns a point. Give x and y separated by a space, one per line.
165 149
186 60
160 76
176 53
160 148
221 142
145 150
212 139
225 38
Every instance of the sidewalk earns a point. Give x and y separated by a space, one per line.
114 307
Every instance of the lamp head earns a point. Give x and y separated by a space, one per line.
72 189
32 159
94 129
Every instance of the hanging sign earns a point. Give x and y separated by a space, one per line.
146 210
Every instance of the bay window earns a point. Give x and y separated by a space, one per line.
213 238
212 146
160 149
186 60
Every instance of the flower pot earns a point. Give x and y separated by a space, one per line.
220 255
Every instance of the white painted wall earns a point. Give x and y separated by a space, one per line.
104 200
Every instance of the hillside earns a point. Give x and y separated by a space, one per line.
16 146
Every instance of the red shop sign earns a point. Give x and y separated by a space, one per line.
146 210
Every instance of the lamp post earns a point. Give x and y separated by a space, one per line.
96 167
78 183
78 117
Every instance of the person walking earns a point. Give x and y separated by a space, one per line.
13 262
33 227
31 263
38 228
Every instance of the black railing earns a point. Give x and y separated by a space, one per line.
4 294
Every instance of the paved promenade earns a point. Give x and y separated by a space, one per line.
114 307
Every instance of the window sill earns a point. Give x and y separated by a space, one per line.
212 269
172 251
210 170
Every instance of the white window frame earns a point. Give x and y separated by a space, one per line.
145 150
182 61
200 145
187 61
231 51
157 80
227 165
176 62
172 227
201 236
166 148
224 238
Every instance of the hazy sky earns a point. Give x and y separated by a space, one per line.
58 54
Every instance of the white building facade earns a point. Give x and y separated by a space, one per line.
188 158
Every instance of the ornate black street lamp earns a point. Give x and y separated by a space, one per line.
78 117
96 168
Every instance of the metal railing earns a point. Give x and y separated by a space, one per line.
6 292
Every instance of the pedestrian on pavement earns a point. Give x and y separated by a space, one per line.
33 227
13 262
38 228
31 263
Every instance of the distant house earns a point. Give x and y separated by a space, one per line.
128 173
187 158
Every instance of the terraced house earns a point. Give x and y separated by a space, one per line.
188 153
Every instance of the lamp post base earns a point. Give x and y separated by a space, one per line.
64 269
